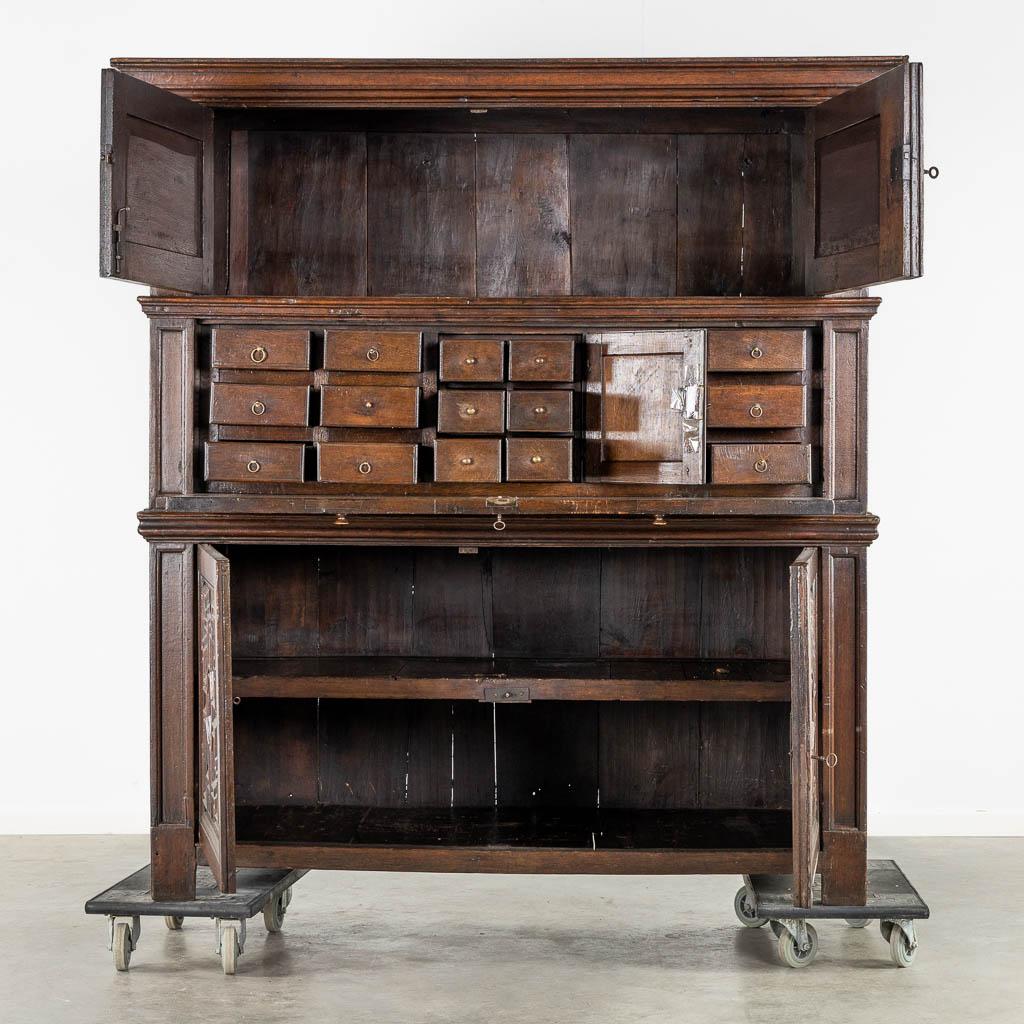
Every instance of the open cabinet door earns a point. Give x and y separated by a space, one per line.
864 170
156 187
803 722
216 746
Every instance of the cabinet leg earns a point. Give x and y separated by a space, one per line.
844 868
173 856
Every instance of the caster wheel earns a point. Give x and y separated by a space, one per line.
173 923
776 928
229 950
745 911
886 928
287 895
273 913
122 945
899 948
793 957
858 922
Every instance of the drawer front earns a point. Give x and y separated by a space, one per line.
246 348
755 351
543 412
353 405
373 351
470 412
472 359
534 359
242 461
467 460
352 462
755 406
270 405
538 458
761 463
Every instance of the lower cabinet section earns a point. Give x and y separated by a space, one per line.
513 709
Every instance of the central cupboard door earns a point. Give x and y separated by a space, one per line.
645 407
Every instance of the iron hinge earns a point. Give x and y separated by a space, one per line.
120 229
902 162
107 155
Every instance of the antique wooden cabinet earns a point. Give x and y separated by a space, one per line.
508 484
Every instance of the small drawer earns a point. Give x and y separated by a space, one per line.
250 348
755 406
538 458
540 412
472 359
352 462
373 351
268 405
755 351
470 412
761 463
356 405
242 461
541 359
467 460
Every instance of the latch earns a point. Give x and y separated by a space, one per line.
502 502
120 230
506 695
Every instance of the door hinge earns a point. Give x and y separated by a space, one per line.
902 162
120 228
107 155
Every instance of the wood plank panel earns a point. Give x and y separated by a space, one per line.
767 215
421 215
451 604
522 215
276 752
306 213
623 201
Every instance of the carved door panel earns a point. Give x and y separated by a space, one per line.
216 745
156 187
864 171
804 722
645 407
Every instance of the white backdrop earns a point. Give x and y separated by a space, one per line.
946 685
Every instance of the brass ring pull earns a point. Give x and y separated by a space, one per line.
258 408
364 468
258 354
539 360
536 459
539 410
756 411
470 410
236 701
756 352
367 405
761 466
470 360
831 760
373 354
253 466
499 524
466 460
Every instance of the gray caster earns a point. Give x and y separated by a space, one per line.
123 938
798 943
230 943
743 904
902 939
273 913
173 923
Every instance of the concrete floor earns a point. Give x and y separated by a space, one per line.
449 948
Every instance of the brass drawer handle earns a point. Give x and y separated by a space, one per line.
470 360
539 410
756 352
372 354
367 405
364 468
536 459
258 354
761 466
539 360
258 408
253 466
470 410
756 411
466 460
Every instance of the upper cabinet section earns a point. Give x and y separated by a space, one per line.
511 179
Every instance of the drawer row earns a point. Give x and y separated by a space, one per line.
475 460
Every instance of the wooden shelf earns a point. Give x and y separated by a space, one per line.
467 678
515 839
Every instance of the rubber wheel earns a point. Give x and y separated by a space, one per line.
229 950
793 957
273 913
173 923
776 928
858 922
745 912
122 946
899 948
886 927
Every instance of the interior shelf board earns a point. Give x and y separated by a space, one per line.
546 679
